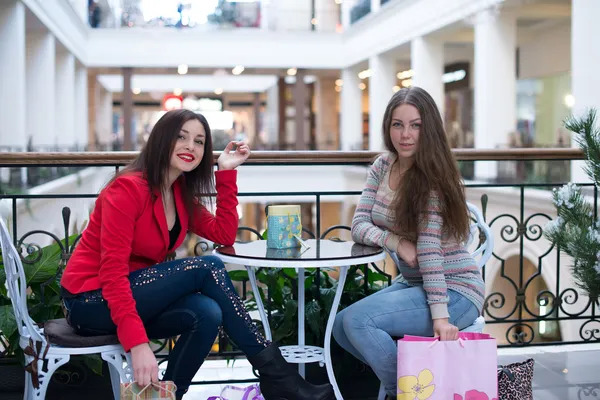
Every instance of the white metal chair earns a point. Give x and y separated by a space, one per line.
34 337
481 255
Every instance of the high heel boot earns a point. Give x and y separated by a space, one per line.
281 381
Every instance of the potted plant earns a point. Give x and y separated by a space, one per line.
280 285
43 267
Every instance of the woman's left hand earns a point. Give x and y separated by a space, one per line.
444 329
231 159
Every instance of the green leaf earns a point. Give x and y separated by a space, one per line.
313 317
3 291
327 296
45 268
376 277
94 362
8 323
238 275
291 272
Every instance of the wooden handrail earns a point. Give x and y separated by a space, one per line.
288 157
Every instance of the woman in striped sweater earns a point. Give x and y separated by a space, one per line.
413 204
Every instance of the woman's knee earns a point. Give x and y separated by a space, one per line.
338 326
212 261
206 310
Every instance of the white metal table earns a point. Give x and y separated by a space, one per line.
322 253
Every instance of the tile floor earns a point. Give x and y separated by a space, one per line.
569 372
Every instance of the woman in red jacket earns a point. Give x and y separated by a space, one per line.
116 280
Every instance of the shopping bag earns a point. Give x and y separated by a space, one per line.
515 381
164 390
284 227
229 392
464 369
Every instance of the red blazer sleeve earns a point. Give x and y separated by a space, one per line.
222 227
120 209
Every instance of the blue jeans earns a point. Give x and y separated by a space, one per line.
191 297
365 328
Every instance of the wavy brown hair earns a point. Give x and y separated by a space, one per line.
434 170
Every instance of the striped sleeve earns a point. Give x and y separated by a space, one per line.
363 229
430 258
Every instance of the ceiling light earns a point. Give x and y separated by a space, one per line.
362 86
364 74
405 74
136 90
338 1
406 83
338 89
237 70
339 82
182 69
292 71
177 91
218 91
396 88
569 100
313 21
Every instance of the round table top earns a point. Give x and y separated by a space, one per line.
321 253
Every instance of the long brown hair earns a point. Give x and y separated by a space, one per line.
154 160
434 170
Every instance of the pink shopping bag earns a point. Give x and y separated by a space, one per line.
464 369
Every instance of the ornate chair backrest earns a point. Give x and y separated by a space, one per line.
17 287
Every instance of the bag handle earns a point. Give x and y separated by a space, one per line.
506 371
247 391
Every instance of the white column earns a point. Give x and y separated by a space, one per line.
585 59
81 8
346 7
375 5
12 74
427 63
326 14
351 111
81 104
41 66
327 118
103 116
495 84
264 14
381 84
65 99
272 116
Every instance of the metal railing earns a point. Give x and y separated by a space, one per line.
514 305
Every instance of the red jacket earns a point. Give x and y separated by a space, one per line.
128 231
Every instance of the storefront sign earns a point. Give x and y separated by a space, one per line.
172 102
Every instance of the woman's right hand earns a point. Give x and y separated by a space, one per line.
145 367
407 252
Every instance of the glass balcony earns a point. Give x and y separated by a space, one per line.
214 14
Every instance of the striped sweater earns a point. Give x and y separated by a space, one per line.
443 262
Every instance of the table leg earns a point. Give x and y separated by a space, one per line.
301 338
329 330
259 303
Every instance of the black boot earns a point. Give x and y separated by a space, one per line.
281 381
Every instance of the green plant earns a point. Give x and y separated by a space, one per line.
319 288
43 268
576 230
